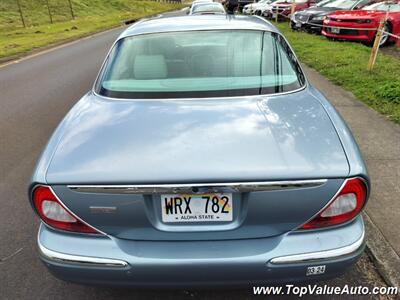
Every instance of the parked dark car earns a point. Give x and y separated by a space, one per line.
311 19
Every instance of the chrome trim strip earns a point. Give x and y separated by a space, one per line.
198 187
317 256
202 98
80 260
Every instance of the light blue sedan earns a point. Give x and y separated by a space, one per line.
202 156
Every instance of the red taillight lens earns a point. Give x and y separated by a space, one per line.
345 206
53 213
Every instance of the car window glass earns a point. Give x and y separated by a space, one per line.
385 6
323 3
363 3
395 7
342 4
200 64
209 8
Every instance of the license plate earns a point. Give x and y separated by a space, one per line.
335 30
317 270
298 25
210 207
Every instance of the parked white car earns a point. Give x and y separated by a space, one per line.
261 6
196 2
249 9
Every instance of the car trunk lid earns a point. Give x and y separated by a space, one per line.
215 140
211 144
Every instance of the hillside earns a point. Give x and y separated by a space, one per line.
90 16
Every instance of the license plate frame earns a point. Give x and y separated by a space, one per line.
315 270
197 208
335 30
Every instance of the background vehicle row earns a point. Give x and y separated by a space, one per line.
353 20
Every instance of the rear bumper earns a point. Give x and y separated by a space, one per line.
360 38
109 261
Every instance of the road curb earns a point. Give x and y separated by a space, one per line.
386 260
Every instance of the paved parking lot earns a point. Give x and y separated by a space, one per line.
35 95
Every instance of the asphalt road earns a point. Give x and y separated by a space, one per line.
35 94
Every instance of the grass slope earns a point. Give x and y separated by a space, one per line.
91 16
345 64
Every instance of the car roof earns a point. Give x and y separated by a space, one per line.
198 22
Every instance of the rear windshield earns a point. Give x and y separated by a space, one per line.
200 64
211 7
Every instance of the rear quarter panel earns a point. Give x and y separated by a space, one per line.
357 165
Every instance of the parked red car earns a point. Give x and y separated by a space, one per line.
357 21
284 8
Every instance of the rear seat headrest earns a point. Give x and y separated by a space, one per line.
150 67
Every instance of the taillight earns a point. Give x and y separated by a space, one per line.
344 207
54 214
